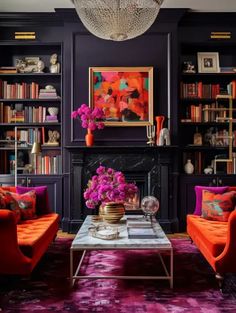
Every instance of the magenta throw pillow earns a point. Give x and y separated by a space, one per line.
42 203
198 192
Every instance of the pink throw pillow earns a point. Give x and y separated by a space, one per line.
42 202
198 192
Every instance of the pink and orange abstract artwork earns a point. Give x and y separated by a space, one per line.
124 93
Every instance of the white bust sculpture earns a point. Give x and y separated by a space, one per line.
55 66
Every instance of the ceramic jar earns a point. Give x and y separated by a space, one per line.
188 167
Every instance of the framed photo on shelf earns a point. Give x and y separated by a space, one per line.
208 62
124 93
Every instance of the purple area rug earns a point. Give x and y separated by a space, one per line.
195 288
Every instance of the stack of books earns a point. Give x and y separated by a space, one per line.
8 70
139 228
51 119
48 93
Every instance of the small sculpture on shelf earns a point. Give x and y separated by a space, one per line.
55 65
164 138
52 117
53 137
40 66
151 129
188 67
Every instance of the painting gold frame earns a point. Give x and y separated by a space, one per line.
125 116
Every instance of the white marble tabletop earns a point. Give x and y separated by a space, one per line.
84 241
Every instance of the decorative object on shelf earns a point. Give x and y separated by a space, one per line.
150 206
151 129
220 35
53 111
208 170
188 167
159 120
164 137
40 66
197 138
53 137
189 67
28 65
49 92
55 65
208 62
91 119
25 35
112 212
108 187
103 232
125 94
111 20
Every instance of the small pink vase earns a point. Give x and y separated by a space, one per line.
160 120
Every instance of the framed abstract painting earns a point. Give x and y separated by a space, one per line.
124 93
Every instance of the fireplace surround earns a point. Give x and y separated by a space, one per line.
152 168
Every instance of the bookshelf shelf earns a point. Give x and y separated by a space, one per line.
30 74
31 100
36 110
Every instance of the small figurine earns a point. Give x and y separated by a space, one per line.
55 66
40 66
53 136
164 138
188 67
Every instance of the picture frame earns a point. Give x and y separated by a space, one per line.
124 93
208 62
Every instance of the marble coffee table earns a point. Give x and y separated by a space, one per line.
84 242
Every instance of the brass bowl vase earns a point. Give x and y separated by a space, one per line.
112 212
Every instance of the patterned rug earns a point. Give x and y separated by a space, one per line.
195 289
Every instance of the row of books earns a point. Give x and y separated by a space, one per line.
19 90
205 113
48 164
199 90
29 114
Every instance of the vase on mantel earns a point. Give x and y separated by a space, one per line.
89 138
188 167
159 120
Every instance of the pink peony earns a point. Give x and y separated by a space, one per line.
91 119
108 185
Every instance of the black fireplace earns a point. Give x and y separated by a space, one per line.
150 167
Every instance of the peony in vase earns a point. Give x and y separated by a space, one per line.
89 138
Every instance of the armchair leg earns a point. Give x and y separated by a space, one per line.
220 280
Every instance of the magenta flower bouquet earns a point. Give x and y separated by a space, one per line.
90 119
106 186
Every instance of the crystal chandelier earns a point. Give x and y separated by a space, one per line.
117 20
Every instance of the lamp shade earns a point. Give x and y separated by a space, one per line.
117 20
36 148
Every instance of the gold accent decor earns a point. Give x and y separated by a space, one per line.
25 35
220 35
112 212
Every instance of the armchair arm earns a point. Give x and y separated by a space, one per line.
12 260
226 261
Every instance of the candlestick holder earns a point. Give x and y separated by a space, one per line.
151 130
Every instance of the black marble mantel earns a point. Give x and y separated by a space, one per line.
152 167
